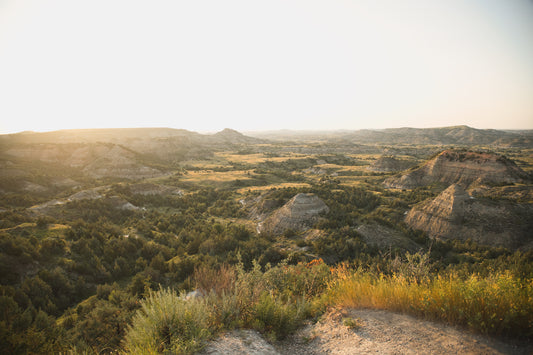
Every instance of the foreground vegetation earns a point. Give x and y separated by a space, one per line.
277 300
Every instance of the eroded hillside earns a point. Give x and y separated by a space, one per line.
463 167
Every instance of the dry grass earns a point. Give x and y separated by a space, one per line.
20 226
57 226
330 166
500 304
350 168
34 225
256 158
214 176
219 281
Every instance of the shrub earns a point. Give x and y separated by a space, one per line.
278 300
167 322
275 317
352 323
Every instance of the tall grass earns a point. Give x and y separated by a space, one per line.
499 304
276 300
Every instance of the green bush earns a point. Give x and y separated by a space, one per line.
167 323
275 317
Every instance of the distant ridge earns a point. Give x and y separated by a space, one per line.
103 151
118 135
459 135
453 135
94 135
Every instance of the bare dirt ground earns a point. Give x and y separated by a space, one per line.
376 332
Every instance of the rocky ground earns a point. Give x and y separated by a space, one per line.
367 332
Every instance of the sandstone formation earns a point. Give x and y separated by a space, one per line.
455 214
261 207
299 214
387 164
462 167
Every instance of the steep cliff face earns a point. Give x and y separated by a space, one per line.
455 214
463 167
299 214
387 164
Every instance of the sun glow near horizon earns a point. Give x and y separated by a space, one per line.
206 65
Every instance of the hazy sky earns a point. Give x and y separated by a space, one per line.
204 65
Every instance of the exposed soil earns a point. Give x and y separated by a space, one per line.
375 332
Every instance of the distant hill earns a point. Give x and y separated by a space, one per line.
232 136
108 135
131 153
454 135
462 135
123 136
164 143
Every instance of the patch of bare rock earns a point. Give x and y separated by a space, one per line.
377 332
299 214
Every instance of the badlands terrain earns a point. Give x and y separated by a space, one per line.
271 232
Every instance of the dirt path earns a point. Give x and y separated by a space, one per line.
378 332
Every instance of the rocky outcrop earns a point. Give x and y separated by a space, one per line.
299 214
388 164
261 207
462 167
455 214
